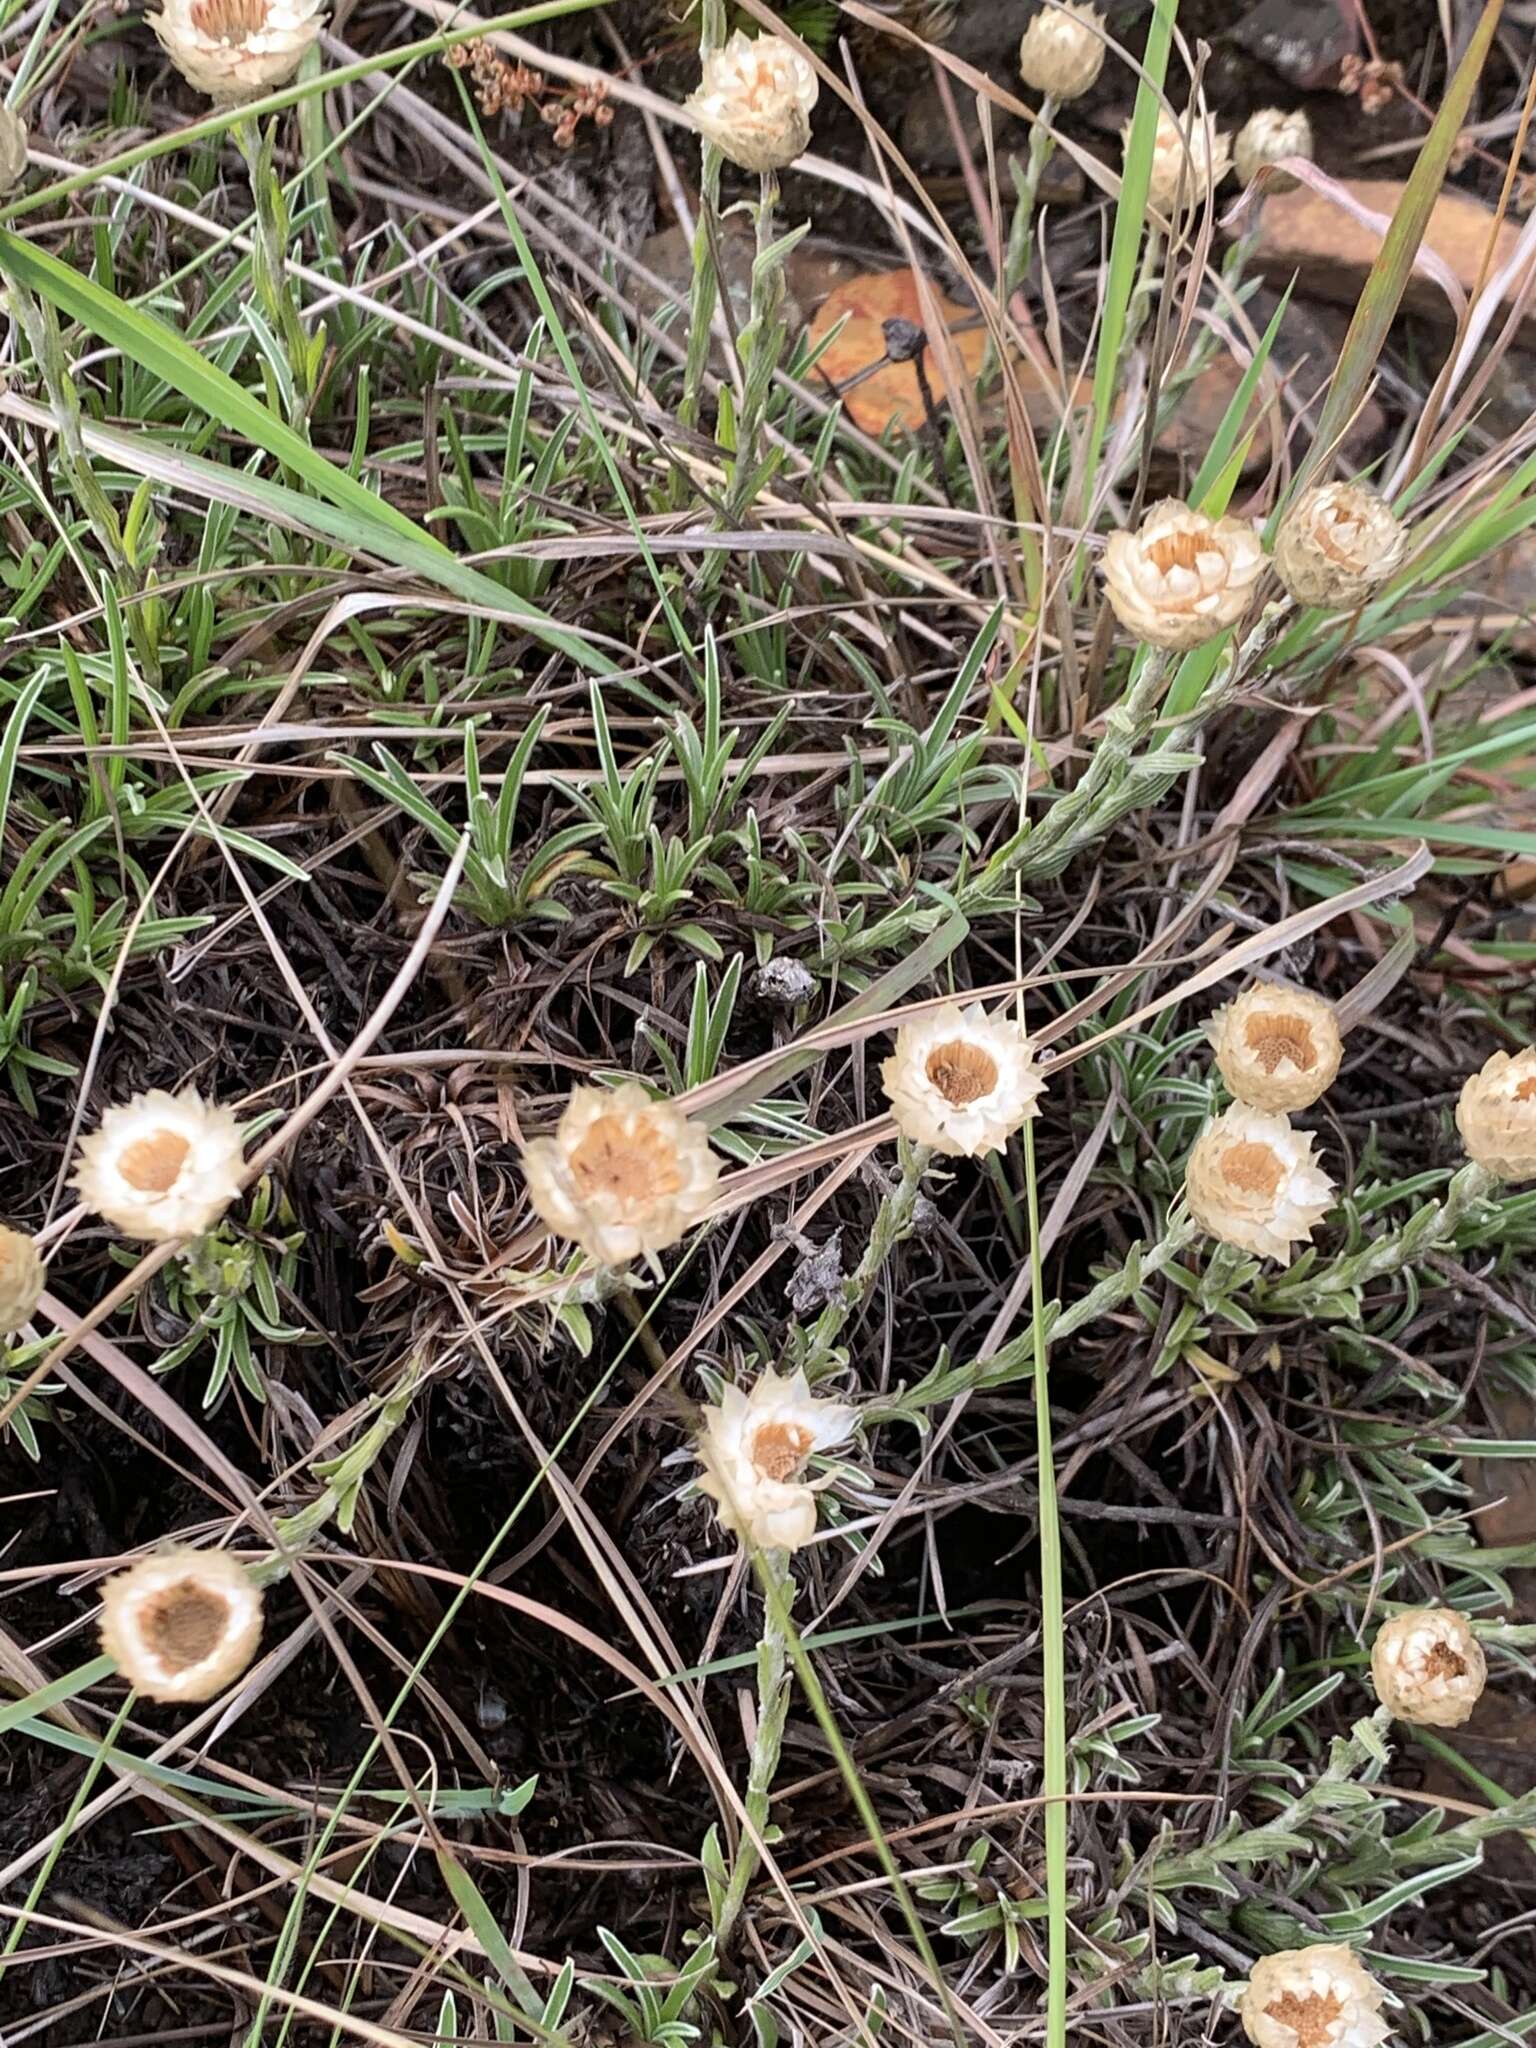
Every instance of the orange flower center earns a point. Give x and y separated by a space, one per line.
779 1449
184 1624
229 21
1175 551
1278 1037
1310 2018
628 1159
1443 1662
1339 533
961 1072
1526 1092
151 1165
1253 1169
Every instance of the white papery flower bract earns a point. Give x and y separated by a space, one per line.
1320 1997
1189 158
162 1165
1336 543
754 101
1181 578
1496 1115
961 1081
623 1176
237 50
1265 138
1428 1667
1062 50
1252 1182
753 1448
21 1280
181 1625
1277 1048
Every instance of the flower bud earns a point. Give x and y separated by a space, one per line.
236 50
1062 52
1277 1048
1496 1115
21 1280
1252 1182
1181 578
1428 1667
623 1176
1189 159
1265 138
1320 1997
1336 543
754 101
181 1625
961 1081
162 1166
754 1448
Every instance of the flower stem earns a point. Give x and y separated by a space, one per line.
1431 1227
773 1690
269 257
893 1222
705 285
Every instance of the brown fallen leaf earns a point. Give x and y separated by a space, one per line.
889 394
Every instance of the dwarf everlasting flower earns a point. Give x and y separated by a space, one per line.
754 1448
237 50
21 1280
1428 1667
1336 543
754 101
1277 1048
162 1166
1252 1182
1321 1997
961 1081
623 1176
1189 159
1062 51
1265 138
1181 578
1496 1115
182 1625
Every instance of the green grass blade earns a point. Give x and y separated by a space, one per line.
1389 276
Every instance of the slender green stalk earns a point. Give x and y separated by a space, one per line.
773 1690
1052 1635
269 264
893 1220
704 293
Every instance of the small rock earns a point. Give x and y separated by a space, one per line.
1305 353
784 981
1301 232
1304 41
818 1276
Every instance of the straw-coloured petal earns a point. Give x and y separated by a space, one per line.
1321 1997
181 1625
236 50
1190 158
1336 544
1252 1182
1181 578
754 101
961 1081
1268 137
1428 1667
1496 1115
1062 49
754 1448
21 1280
162 1166
623 1176
1277 1048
